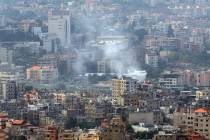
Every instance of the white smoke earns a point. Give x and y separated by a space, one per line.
121 56
124 62
136 74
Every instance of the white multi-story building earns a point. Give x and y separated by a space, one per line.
61 26
6 55
152 58
170 81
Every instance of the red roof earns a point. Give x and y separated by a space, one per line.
17 122
39 67
201 110
36 68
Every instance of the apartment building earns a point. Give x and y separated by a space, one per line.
197 121
113 130
98 111
152 58
91 134
43 74
200 78
121 87
155 42
69 135
170 80
6 55
177 136
202 94
201 122
60 24
10 89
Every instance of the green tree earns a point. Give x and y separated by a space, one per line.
145 135
71 123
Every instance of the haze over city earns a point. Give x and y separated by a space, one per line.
104 69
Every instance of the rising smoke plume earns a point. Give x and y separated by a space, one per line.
121 56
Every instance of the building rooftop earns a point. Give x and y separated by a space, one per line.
40 68
202 110
17 122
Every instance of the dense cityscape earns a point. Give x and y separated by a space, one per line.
104 69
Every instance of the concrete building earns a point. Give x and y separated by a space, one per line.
177 136
49 133
27 24
43 74
6 76
52 43
11 89
113 130
201 122
94 111
152 58
59 97
155 117
202 94
197 121
48 60
188 78
104 66
120 87
170 81
72 100
6 55
132 100
69 135
97 111
183 119
11 72
199 78
37 31
91 134
202 78
61 26
156 42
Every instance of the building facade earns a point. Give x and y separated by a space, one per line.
121 87
61 26
43 74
